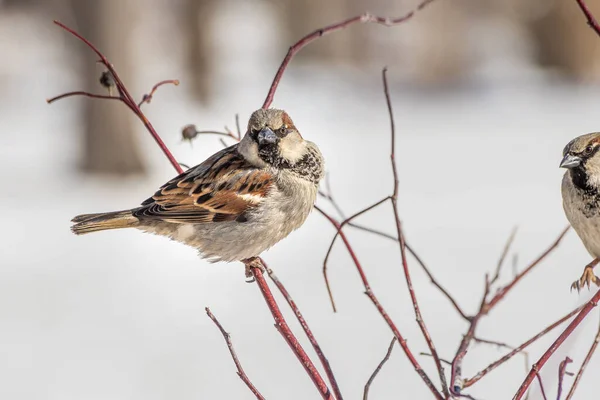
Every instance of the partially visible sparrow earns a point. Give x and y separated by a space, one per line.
236 204
581 197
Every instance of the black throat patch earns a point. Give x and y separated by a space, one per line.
308 167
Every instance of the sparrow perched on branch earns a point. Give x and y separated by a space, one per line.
236 204
581 197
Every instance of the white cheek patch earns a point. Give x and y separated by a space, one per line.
292 149
249 149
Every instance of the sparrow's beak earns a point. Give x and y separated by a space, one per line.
266 137
570 161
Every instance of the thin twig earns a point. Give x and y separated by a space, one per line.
328 194
365 18
240 370
557 343
124 95
337 234
281 325
456 381
509 242
506 346
379 366
584 364
399 232
542 390
470 381
449 363
82 93
307 331
591 21
147 98
485 307
369 292
504 290
237 126
437 284
562 371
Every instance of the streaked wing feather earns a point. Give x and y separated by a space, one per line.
222 188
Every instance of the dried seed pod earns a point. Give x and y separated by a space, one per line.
189 132
107 80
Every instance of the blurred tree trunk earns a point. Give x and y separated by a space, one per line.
197 20
109 144
566 42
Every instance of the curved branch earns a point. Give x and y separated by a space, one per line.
240 370
365 18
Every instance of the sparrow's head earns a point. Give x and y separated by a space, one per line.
582 158
272 140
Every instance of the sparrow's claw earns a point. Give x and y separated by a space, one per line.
587 278
250 263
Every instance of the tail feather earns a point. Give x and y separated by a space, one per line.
87 223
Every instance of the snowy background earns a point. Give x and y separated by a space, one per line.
120 315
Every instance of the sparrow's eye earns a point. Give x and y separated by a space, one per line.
281 132
588 150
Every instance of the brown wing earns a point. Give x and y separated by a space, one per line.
222 188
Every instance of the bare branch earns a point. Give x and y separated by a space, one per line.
557 343
147 98
379 366
584 364
365 18
562 371
307 331
240 370
591 21
124 96
257 268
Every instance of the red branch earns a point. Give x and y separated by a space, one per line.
307 331
286 332
591 21
337 234
584 364
124 96
563 336
502 292
470 381
240 370
394 199
485 307
369 291
384 314
365 18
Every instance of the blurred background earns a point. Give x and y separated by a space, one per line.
486 95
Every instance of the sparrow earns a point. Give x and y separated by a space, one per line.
581 197
239 202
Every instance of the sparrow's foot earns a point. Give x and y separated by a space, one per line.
588 277
253 262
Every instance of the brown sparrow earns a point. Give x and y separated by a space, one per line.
581 197
236 204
